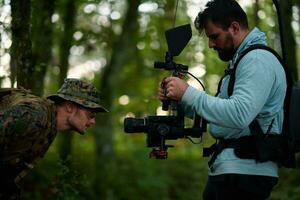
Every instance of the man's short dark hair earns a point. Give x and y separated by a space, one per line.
221 13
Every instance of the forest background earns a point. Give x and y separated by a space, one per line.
113 44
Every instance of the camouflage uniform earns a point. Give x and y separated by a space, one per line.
28 127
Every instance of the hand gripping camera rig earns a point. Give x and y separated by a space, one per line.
162 128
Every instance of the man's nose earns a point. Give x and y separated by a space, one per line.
92 121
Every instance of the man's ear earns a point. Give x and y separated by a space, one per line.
70 107
234 28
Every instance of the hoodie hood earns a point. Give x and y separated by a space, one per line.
254 37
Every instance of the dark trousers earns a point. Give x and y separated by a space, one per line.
237 187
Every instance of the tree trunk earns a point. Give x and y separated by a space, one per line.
66 40
297 3
123 48
256 9
42 12
21 52
289 38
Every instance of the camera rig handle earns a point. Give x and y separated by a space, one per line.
177 71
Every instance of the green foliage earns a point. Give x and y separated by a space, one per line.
58 181
131 174
134 176
287 188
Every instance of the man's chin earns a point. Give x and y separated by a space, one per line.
81 132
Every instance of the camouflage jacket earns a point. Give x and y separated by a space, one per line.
27 128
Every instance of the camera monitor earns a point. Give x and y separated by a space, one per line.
177 38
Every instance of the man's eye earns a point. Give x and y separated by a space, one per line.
92 115
213 37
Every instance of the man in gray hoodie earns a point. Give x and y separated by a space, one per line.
258 94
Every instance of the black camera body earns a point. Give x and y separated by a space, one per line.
172 127
161 128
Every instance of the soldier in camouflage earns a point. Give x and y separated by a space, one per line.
29 124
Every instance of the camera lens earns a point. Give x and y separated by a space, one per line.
134 125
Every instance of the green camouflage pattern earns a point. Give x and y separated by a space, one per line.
27 129
80 92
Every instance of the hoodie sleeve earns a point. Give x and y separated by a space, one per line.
254 80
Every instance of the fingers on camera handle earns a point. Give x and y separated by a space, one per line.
163 86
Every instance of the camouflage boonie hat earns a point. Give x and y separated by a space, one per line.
80 92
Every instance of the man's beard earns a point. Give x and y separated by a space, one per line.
226 53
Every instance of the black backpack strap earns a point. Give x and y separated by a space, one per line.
256 129
254 126
227 71
243 53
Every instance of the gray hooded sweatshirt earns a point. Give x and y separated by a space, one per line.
259 92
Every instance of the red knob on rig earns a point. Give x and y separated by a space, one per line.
159 153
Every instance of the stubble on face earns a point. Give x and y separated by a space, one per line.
226 52
221 40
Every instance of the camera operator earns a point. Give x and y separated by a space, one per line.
258 94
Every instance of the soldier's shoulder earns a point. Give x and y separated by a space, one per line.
26 106
36 109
